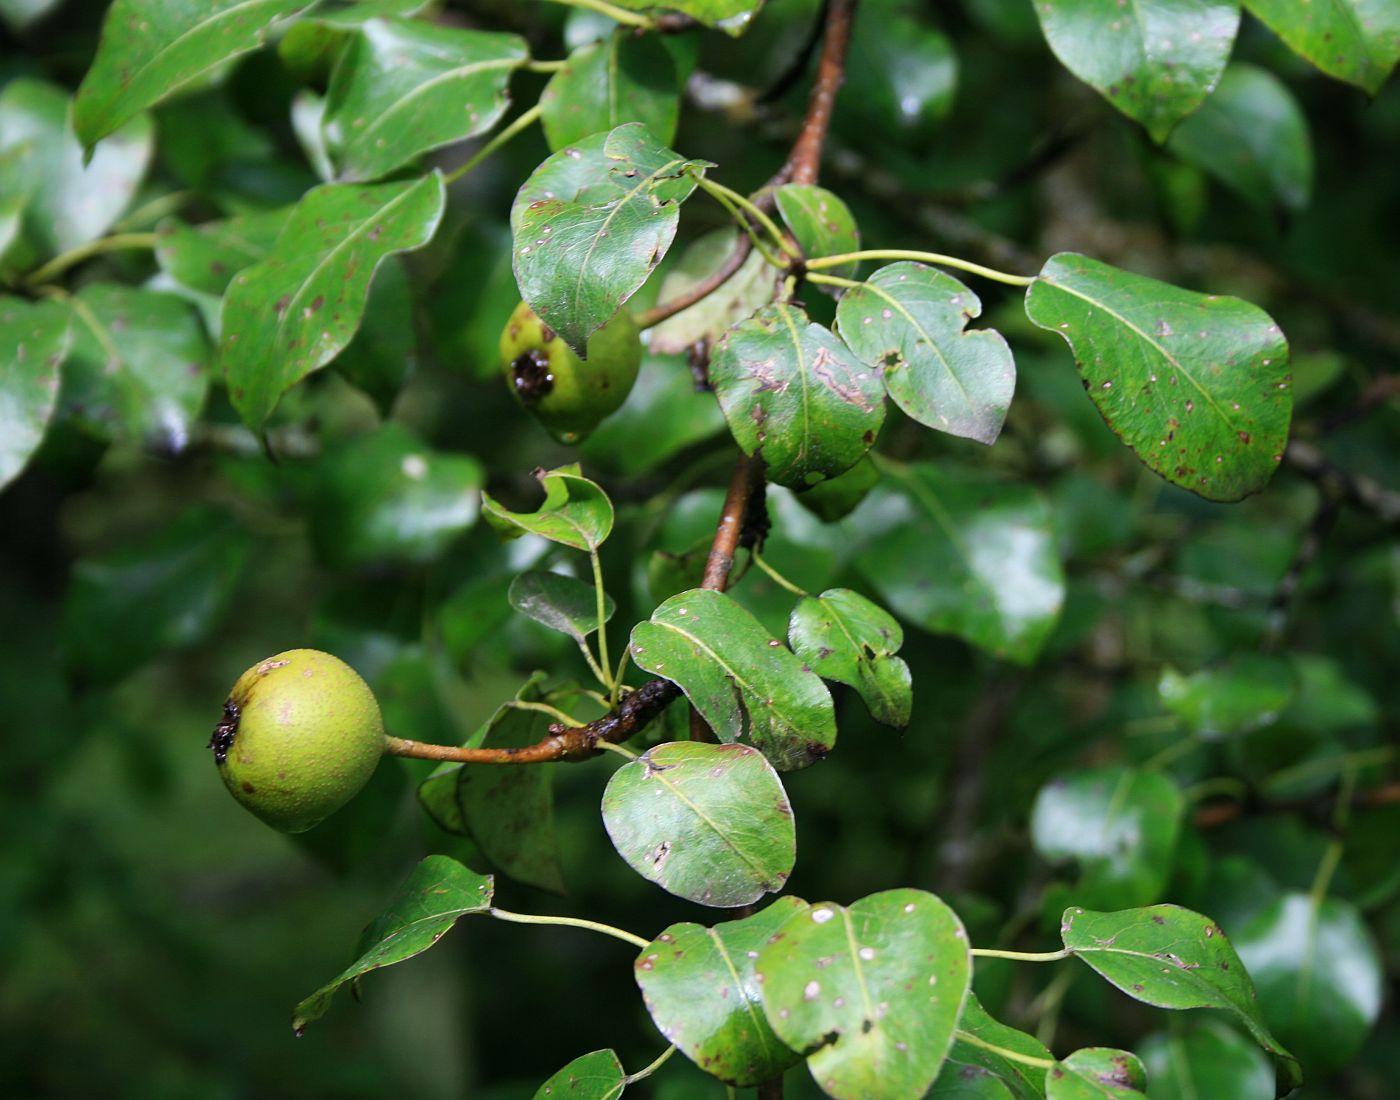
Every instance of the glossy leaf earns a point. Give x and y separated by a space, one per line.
820 222
69 202
1197 385
139 365
34 341
592 223
901 77
1119 824
907 321
745 683
708 823
1021 1079
403 87
844 637
295 311
1155 60
1246 694
1096 1073
1173 958
386 497
1211 1059
507 812
700 987
168 591
624 78
575 511
1319 975
206 257
559 602
383 353
871 992
793 393
1353 40
596 1076
150 49
738 298
1251 135
960 554
437 892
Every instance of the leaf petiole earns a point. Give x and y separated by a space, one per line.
616 14
734 202
643 1074
523 122
776 577
570 922
1021 956
936 258
1012 1055
544 708
118 242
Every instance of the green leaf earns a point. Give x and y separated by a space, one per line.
1096 1073
708 823
1155 60
559 602
624 78
907 321
1120 824
1252 135
295 311
738 298
436 893
168 591
150 49
592 222
1211 1059
793 393
1353 40
1319 975
1021 1080
69 203
871 992
956 1082
844 637
508 812
820 222
139 365
1173 958
744 683
1197 385
386 497
701 989
34 341
575 512
837 497
204 258
382 355
958 553
596 1076
404 87
901 77
19 14
1246 694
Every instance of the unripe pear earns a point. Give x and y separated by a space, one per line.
300 736
569 396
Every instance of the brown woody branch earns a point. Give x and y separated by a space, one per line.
806 157
701 290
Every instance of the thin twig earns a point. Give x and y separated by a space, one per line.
701 290
806 156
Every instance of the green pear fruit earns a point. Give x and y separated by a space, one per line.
300 736
569 396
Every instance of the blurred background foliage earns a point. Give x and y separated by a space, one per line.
154 936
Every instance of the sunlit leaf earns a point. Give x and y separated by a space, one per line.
1211 1059
745 683
709 823
1197 385
907 321
295 311
793 393
592 223
404 87
1096 1073
34 341
1353 40
700 987
1245 694
1155 60
871 992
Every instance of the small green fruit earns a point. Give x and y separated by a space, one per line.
301 735
569 396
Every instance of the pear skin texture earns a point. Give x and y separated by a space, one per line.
301 735
569 396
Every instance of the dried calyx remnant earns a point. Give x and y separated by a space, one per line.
531 374
224 732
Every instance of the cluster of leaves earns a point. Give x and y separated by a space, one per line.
283 279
